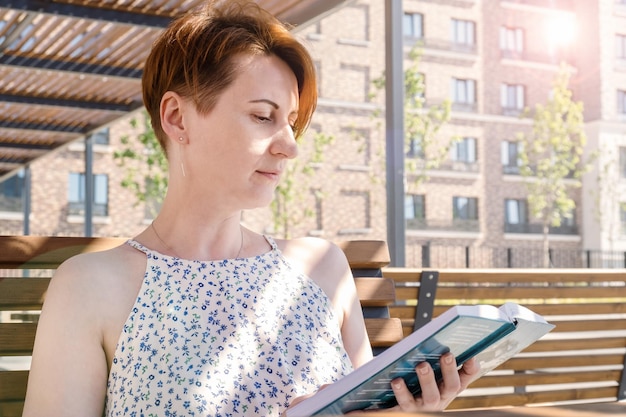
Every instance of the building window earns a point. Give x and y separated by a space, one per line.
511 98
76 194
413 25
464 150
511 39
463 32
510 158
568 221
415 149
465 208
621 102
515 216
101 137
622 162
464 94
414 207
12 193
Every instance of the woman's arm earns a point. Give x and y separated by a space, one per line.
68 373
435 396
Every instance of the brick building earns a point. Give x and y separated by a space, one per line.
491 58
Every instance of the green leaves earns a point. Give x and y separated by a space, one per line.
551 154
287 207
422 122
145 163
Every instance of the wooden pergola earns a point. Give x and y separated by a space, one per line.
70 67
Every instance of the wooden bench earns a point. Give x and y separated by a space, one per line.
582 360
27 264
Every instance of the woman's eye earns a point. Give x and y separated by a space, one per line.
262 118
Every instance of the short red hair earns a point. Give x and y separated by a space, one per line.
195 57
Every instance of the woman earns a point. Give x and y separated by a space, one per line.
198 315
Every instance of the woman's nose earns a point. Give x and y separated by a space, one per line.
284 143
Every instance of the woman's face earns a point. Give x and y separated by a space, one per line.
241 147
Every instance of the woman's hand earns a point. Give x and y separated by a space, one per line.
435 396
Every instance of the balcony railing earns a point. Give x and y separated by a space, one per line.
458 166
465 107
532 57
11 204
456 225
76 208
533 228
443 45
510 169
550 4
512 111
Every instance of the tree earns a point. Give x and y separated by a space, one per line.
287 208
424 149
146 165
551 157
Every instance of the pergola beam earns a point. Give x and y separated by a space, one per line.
79 104
81 130
26 146
86 12
70 66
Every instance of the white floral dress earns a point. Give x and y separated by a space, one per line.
237 337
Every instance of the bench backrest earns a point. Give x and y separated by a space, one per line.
582 359
28 262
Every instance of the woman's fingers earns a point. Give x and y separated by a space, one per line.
436 395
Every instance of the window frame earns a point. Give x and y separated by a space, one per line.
77 190
512 97
468 212
521 211
463 32
464 150
512 39
467 87
414 21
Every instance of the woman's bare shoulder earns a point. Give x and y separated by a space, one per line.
91 273
320 259
311 249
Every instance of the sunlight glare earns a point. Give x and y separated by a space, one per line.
561 30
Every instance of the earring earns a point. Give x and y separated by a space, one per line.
180 139
180 156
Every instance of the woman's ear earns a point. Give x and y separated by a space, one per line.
171 113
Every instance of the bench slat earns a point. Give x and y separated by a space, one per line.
11 408
504 293
562 361
375 292
17 339
408 311
13 385
48 252
383 332
366 254
22 293
505 276
531 378
576 343
503 400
